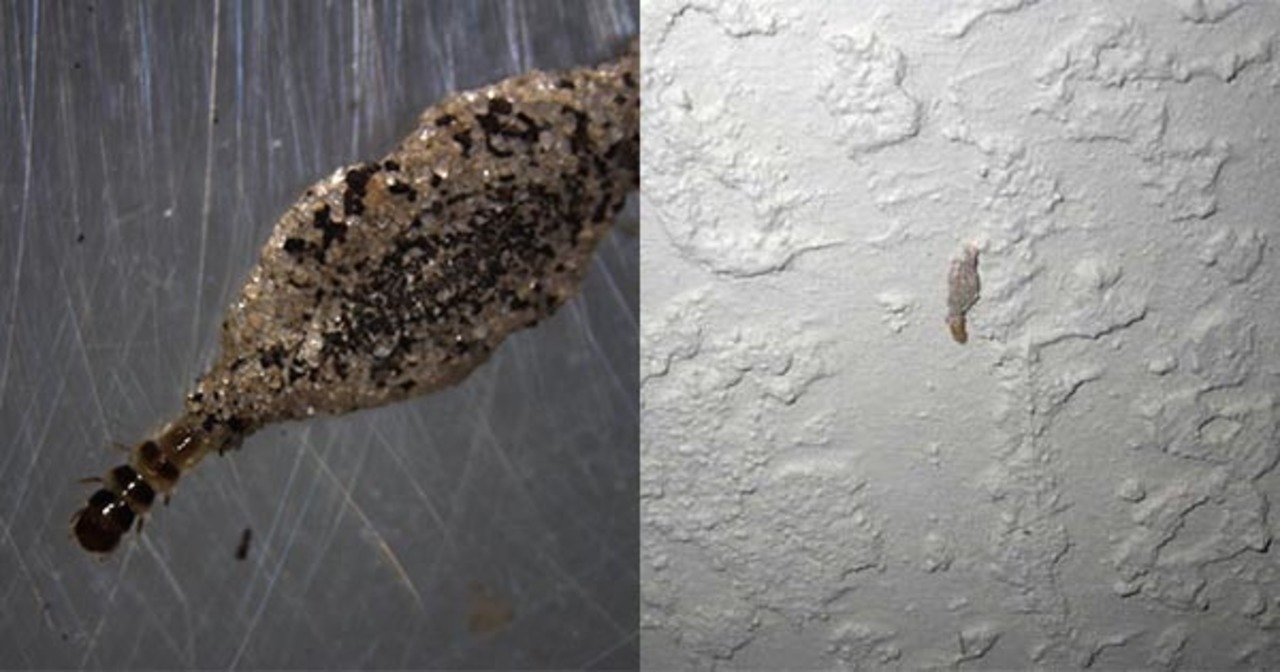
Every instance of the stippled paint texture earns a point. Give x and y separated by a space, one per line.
827 481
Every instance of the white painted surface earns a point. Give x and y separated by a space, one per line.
828 480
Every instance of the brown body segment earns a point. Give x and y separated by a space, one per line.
963 289
395 278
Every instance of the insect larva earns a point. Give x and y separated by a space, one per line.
396 278
963 289
242 548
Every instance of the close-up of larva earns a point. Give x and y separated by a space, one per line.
395 278
963 289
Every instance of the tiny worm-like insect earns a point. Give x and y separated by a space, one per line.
242 548
395 278
963 288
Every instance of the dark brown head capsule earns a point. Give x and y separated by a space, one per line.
112 510
99 526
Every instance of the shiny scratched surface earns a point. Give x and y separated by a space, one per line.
170 136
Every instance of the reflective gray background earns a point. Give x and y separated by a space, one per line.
170 136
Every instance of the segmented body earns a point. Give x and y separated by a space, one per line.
963 288
396 278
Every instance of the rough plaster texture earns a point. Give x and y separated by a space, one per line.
828 480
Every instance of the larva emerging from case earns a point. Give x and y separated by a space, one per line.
963 288
396 278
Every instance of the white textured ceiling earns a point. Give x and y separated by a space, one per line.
828 479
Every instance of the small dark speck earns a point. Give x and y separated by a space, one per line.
500 105
242 550
80 238
75 66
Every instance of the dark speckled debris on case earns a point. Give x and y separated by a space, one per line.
394 278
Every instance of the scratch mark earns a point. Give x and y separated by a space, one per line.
615 247
28 577
595 660
510 471
172 580
241 496
206 203
357 75
159 625
84 353
388 555
586 595
144 77
442 60
398 456
252 627
523 491
68 604
578 312
507 467
450 547
320 552
106 608
517 36
43 440
450 59
225 279
463 477
28 122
